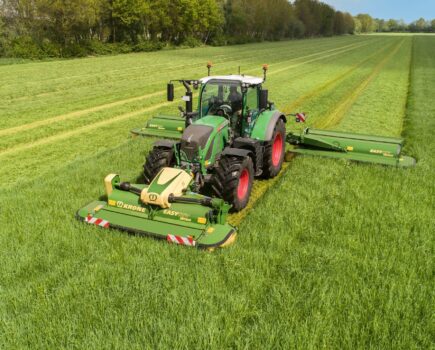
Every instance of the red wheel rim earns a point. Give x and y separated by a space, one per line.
242 189
277 150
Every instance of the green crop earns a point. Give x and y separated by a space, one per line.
330 254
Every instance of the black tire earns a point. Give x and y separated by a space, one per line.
272 163
227 181
157 159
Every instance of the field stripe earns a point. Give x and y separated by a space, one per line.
220 58
340 49
227 59
346 103
316 59
79 113
76 114
80 130
330 83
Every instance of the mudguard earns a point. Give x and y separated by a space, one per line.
265 124
164 143
237 152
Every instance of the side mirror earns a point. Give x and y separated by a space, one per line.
264 94
170 92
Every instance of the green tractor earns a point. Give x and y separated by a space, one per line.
235 135
206 163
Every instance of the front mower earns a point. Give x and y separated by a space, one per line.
166 208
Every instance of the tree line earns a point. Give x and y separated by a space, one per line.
66 28
364 23
63 28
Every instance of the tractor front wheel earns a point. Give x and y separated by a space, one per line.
233 180
157 159
274 151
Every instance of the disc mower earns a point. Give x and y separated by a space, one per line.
206 164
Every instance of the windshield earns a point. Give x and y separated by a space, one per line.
217 93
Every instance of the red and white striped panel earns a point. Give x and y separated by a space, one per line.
95 221
181 240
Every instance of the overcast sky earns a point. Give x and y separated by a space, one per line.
408 10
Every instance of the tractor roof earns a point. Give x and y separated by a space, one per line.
244 79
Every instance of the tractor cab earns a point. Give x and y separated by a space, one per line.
235 97
238 98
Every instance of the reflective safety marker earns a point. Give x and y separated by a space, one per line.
95 221
181 240
300 117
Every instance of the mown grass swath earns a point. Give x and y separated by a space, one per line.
333 254
101 135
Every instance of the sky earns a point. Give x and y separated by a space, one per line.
408 10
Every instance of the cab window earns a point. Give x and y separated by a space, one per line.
252 98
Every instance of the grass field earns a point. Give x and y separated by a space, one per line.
330 254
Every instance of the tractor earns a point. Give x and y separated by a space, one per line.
235 135
206 163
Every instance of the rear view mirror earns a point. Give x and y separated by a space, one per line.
170 92
264 94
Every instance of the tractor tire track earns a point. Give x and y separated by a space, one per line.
333 118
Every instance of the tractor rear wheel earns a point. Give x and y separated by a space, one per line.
157 159
233 180
274 151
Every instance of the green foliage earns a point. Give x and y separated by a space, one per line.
63 28
366 22
334 255
24 47
148 46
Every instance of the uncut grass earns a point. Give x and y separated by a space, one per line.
331 257
84 144
304 74
102 89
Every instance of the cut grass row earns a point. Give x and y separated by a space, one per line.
121 65
108 90
119 102
97 137
25 133
336 255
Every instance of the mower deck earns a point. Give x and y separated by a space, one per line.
185 223
162 126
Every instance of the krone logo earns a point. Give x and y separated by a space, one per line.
152 197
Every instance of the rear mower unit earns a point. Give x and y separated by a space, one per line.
351 146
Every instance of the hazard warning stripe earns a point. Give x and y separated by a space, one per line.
95 221
181 240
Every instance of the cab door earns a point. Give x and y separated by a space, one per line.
250 110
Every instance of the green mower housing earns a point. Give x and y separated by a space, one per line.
189 219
